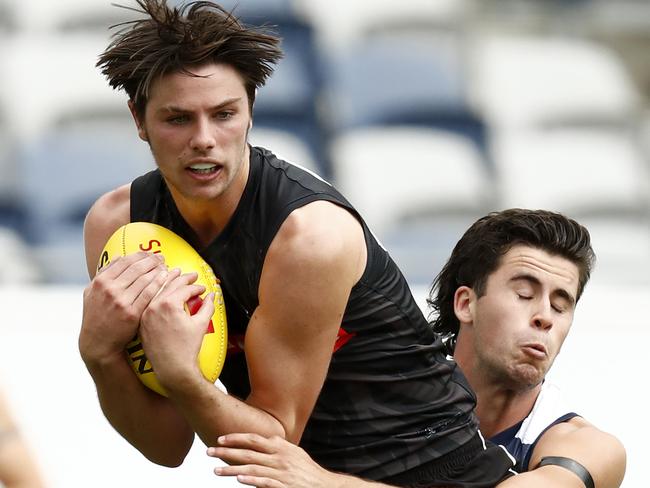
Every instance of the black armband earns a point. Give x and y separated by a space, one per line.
573 466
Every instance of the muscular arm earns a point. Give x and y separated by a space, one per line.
17 466
600 453
113 303
275 463
303 295
310 268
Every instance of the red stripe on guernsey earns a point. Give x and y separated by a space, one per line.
193 305
342 338
236 341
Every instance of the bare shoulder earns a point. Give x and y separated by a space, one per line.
107 214
322 227
576 439
321 218
321 233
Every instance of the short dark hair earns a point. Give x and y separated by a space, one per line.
174 39
478 254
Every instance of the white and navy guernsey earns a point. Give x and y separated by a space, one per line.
521 438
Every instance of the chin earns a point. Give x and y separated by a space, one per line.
202 194
526 377
530 381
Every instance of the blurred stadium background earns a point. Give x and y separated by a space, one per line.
426 113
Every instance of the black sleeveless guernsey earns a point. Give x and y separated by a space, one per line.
391 401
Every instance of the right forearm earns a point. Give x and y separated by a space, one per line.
145 419
113 306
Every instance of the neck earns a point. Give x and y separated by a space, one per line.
498 408
208 218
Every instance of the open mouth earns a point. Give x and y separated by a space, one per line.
204 168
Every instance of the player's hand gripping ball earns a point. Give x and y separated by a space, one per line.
148 237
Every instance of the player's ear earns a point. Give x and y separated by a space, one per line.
142 132
464 300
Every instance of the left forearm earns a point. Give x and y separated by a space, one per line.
213 413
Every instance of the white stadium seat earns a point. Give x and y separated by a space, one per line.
598 177
417 189
284 145
539 81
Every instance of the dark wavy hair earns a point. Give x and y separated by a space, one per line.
169 40
479 251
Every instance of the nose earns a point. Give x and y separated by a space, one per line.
203 138
542 318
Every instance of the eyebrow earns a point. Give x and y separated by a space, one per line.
561 292
176 109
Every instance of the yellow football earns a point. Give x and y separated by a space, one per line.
148 237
